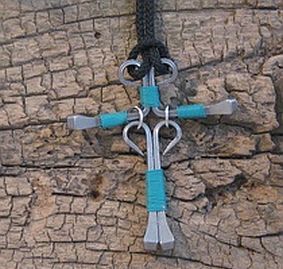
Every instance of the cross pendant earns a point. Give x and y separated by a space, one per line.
158 231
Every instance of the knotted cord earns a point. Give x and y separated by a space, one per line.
150 49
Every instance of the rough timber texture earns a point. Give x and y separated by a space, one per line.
71 199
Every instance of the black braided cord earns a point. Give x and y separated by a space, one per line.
150 49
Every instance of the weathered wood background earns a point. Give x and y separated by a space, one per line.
72 199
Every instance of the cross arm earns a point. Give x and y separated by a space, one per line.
105 121
194 111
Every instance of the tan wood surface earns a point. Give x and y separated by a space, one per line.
72 199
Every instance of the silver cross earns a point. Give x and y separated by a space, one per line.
158 231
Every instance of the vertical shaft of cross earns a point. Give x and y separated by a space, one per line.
157 232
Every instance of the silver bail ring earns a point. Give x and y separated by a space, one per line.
140 116
167 116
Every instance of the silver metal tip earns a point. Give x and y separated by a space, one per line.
226 107
166 238
79 122
70 122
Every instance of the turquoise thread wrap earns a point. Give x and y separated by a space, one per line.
111 120
155 188
149 96
191 111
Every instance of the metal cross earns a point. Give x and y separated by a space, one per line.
158 231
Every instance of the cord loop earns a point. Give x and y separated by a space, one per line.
149 48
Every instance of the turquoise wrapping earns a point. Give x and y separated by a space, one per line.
155 188
111 120
149 96
191 111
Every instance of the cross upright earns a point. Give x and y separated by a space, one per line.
158 231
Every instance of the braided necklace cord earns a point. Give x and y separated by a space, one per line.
150 49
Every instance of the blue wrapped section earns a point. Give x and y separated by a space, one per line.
155 188
149 96
191 111
111 120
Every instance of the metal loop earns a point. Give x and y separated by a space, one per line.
176 139
167 116
134 146
140 116
122 68
138 64
174 69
